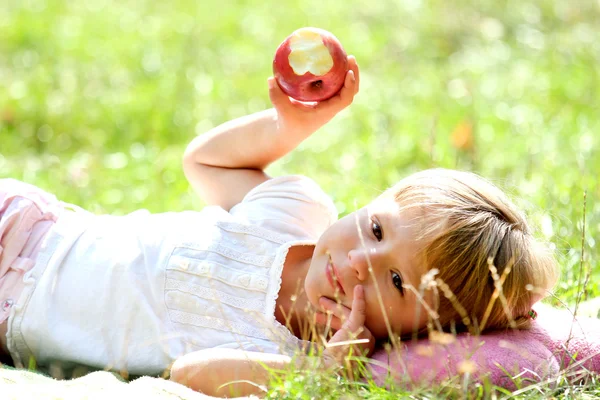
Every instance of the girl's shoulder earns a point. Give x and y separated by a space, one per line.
293 201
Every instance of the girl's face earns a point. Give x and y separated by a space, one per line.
388 242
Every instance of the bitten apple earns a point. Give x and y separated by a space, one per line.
310 65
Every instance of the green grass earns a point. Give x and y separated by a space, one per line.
99 98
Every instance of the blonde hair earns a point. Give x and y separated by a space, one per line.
476 237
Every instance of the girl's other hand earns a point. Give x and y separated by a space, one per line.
350 326
294 116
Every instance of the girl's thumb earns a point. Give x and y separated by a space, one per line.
275 93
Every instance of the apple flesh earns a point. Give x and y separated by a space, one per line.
310 65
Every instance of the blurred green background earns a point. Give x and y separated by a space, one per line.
98 99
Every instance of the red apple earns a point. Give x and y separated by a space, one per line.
310 65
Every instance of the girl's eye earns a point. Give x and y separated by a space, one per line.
377 232
397 280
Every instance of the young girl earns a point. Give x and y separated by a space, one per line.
231 289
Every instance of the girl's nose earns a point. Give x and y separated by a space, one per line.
359 261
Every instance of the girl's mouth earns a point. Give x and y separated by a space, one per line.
333 276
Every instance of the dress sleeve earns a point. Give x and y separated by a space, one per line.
294 206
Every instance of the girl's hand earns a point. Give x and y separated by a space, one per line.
228 161
295 117
350 326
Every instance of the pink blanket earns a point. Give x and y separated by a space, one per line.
555 344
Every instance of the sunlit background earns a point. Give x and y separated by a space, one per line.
98 99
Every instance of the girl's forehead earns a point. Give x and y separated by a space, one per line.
401 217
383 202
387 204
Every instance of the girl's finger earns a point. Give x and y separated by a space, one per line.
333 306
278 98
322 318
346 95
353 66
304 104
282 102
328 320
356 319
338 310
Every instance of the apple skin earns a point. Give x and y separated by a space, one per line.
310 83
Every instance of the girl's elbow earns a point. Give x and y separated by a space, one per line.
186 373
178 372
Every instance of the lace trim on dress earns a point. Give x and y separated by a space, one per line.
220 324
215 295
218 271
280 330
260 261
249 317
251 230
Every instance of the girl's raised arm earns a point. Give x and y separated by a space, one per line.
223 164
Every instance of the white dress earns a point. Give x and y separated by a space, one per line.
135 292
